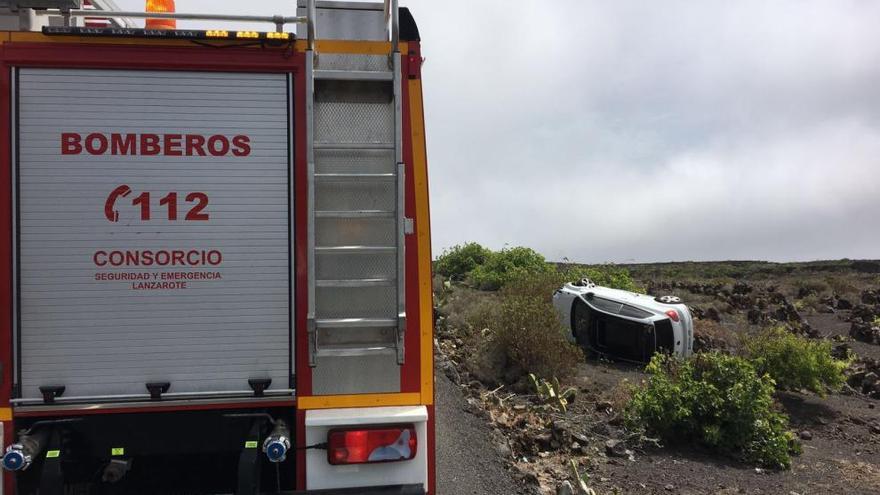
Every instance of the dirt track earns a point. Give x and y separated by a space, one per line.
467 461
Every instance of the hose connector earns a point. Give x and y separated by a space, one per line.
277 444
15 458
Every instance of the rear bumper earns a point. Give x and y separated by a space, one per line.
373 490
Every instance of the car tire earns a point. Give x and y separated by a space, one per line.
668 299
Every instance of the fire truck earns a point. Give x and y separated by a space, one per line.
215 266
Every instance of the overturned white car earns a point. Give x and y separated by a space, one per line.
624 325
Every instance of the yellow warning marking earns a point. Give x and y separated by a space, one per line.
53 453
361 400
250 444
5 414
423 220
117 451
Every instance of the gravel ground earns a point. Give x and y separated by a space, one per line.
467 462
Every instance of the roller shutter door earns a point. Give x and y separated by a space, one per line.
153 214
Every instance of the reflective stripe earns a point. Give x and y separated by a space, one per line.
5 414
360 400
423 223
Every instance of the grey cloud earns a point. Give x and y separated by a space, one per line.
617 131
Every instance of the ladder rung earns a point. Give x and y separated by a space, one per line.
356 323
354 75
356 249
356 351
355 176
360 282
355 214
353 146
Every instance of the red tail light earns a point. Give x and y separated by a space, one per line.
672 314
365 445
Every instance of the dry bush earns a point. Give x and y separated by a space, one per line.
711 335
463 308
842 286
520 335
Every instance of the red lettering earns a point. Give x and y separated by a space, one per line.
99 254
102 146
242 146
172 145
195 144
150 144
189 258
132 258
201 202
177 258
123 144
163 258
70 143
117 258
215 257
213 141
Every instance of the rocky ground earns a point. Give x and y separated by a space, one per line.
538 446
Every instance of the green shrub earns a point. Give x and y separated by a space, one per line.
605 275
529 337
519 332
795 362
507 264
716 399
458 261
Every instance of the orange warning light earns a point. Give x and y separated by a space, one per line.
160 6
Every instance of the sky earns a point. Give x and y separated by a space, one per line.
637 131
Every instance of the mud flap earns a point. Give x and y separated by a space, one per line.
249 461
51 477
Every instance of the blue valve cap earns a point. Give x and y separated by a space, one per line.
276 451
13 460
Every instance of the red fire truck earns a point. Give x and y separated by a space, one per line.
215 253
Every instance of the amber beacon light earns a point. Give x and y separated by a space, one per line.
160 6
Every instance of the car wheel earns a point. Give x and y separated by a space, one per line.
668 299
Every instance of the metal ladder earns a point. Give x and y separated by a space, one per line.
356 190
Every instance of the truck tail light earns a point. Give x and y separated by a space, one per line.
374 444
165 6
673 315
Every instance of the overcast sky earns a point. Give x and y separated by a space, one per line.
649 131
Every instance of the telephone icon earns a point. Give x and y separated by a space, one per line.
110 206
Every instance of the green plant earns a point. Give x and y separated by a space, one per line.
604 275
551 392
521 334
502 266
581 479
876 322
716 399
458 261
795 362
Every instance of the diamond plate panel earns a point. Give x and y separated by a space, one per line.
332 232
335 338
352 195
355 162
347 61
349 266
356 375
355 302
354 112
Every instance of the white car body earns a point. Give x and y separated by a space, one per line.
622 324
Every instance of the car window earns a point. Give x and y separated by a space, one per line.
606 305
633 312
